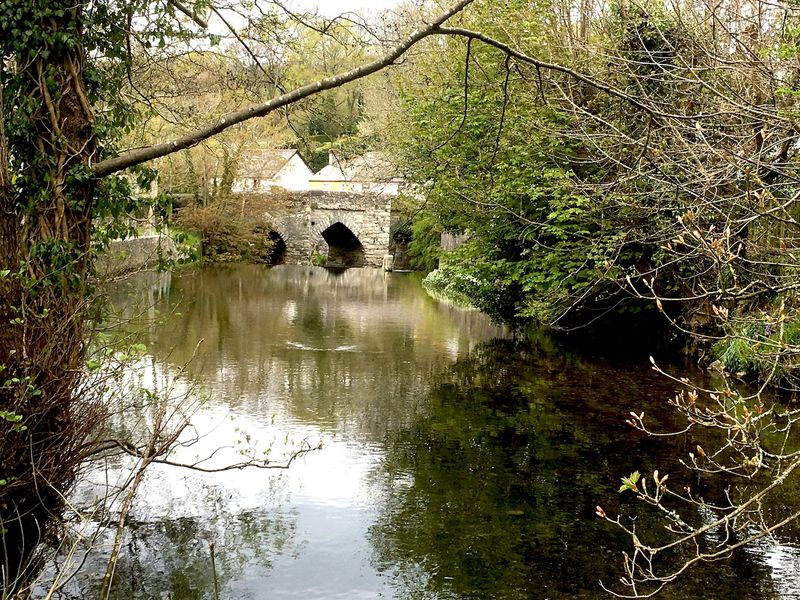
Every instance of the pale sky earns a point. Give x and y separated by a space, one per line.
332 8
325 8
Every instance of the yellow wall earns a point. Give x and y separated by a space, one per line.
330 186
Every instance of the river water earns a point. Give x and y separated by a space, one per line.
455 462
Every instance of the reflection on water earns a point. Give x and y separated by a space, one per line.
453 466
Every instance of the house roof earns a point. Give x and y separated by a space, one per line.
369 167
265 164
329 173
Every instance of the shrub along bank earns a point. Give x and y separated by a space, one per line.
231 229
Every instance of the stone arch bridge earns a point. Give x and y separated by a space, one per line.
343 229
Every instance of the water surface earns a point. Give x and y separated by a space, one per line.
455 463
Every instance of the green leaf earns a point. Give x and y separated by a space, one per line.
11 417
629 483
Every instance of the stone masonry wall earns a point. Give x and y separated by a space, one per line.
301 221
134 254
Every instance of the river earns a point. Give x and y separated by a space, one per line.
455 462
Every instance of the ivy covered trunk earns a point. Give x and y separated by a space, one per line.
46 197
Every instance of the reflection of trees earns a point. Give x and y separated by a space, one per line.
490 479
491 490
348 350
171 557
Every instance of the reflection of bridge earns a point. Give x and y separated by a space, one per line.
351 230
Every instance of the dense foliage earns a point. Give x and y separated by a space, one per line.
230 230
642 160
644 173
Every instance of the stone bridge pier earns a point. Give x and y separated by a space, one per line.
344 230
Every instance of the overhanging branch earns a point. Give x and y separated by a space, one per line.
138 156
541 64
178 5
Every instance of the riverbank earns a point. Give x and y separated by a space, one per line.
136 254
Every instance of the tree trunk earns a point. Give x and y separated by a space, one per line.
45 221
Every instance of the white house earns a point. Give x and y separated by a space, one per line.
371 173
267 170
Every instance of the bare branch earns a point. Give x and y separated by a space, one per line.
189 13
648 108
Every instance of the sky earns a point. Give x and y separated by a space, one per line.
325 8
332 8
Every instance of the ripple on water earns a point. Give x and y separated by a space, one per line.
299 346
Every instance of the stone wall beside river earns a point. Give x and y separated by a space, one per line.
134 254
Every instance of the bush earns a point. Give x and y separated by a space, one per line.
231 230
761 348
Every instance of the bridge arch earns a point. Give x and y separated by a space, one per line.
344 247
277 255
329 220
